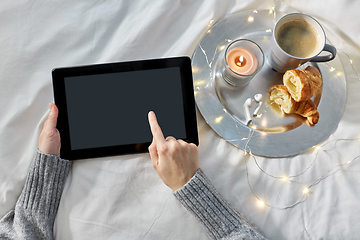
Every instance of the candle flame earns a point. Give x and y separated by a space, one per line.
240 61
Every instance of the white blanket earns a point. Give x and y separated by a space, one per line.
122 197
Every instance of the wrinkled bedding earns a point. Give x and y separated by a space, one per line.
122 197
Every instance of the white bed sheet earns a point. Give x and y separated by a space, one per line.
122 197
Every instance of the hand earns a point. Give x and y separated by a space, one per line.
175 161
49 141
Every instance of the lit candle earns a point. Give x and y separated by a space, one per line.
242 61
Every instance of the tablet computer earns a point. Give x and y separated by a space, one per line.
103 108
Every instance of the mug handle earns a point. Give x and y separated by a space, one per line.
331 56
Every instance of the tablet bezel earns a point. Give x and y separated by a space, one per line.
59 75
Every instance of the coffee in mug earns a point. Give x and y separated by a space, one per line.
298 38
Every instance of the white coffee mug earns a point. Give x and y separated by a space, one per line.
280 60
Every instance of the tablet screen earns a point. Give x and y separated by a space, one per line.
111 109
103 108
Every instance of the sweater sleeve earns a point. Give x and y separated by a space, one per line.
219 219
36 208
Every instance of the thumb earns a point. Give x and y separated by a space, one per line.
153 154
49 140
51 121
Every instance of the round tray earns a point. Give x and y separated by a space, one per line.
271 134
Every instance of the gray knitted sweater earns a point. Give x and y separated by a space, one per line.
36 208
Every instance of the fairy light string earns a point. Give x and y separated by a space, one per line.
320 150
305 191
352 66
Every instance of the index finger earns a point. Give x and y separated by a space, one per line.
155 128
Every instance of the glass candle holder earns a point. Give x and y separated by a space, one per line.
243 59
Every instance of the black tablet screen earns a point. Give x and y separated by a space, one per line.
111 109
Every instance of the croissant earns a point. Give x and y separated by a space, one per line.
281 96
307 109
303 84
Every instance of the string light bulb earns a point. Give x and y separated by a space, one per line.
218 119
272 10
261 203
221 47
318 147
285 178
